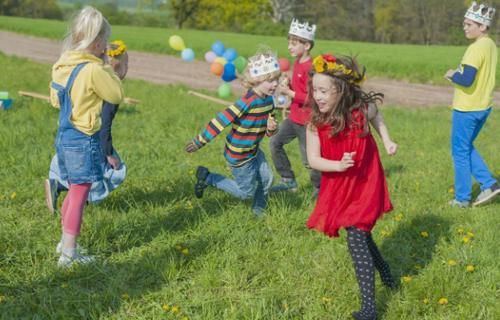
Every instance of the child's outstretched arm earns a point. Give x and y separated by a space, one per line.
377 121
217 125
319 163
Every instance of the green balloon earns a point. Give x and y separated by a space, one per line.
240 63
224 90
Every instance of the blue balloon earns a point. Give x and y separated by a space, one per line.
229 73
218 48
230 54
187 54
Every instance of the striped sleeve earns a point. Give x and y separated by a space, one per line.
221 121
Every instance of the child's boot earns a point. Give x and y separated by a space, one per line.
286 184
201 181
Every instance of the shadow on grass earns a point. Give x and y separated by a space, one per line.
392 169
94 291
408 251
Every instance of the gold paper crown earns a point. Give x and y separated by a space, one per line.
261 65
302 30
481 13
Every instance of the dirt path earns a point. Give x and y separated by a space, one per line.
164 69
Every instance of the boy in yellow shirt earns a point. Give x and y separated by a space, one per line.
474 84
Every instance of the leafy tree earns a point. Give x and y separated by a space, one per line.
182 10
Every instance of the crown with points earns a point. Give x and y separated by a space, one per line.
302 30
480 13
262 64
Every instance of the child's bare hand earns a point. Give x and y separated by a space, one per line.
346 162
191 147
391 147
114 162
449 73
272 125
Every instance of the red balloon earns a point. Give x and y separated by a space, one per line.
217 68
284 64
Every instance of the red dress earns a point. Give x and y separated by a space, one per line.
358 196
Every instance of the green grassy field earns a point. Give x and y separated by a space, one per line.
415 63
163 254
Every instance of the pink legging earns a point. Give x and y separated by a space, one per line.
72 208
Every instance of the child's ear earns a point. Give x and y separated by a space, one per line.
308 46
483 28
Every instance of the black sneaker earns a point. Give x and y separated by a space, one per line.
201 181
51 194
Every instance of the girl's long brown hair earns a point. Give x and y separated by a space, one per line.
351 96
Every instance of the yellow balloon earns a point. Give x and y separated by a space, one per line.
176 43
221 60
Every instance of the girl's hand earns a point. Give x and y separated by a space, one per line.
449 74
346 162
114 162
272 125
391 147
191 147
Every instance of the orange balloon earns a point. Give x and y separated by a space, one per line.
216 68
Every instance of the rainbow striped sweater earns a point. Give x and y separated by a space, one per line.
248 116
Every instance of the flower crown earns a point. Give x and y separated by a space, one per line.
120 49
326 63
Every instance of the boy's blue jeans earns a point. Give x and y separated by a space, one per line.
251 180
467 161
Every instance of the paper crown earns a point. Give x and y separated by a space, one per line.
261 65
481 13
302 30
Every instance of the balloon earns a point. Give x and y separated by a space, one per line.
218 48
224 90
240 63
220 60
176 43
187 54
210 56
216 68
230 54
284 64
229 72
281 99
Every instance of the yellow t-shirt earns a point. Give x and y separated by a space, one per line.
482 55
95 82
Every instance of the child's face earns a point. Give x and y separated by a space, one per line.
324 92
473 30
267 87
296 47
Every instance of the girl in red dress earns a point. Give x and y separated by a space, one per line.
353 191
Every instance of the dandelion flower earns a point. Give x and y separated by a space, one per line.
424 234
443 301
452 262
425 301
466 239
398 217
460 231
451 190
13 195
185 251
407 279
185 318
165 307
326 299
175 309
470 234
470 268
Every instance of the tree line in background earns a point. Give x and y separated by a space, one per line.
387 21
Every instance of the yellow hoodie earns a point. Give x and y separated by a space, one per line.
95 82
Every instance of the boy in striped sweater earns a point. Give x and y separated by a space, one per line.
251 119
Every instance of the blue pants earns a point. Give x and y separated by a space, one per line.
251 180
467 161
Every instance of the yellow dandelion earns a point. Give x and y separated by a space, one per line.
451 190
425 301
326 299
443 301
191 172
407 279
175 309
470 234
424 234
125 296
13 195
466 239
165 307
185 251
452 262
398 217
470 268
460 230
185 318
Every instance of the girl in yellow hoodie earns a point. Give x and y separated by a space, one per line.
81 81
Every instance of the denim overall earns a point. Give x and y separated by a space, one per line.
79 155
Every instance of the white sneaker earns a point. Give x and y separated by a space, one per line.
487 195
67 261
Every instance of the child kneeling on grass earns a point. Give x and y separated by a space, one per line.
251 119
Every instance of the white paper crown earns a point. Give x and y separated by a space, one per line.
261 65
302 30
481 13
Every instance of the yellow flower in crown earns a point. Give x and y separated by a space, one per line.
120 49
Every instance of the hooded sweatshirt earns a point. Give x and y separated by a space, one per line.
95 83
